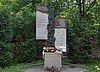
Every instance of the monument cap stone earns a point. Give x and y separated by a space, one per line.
60 23
43 9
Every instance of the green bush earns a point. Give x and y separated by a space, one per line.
78 53
5 36
25 46
17 32
80 40
98 35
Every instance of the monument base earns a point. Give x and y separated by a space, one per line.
52 60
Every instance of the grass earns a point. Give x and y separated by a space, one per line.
93 64
11 69
18 67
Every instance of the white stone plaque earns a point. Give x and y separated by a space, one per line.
60 35
41 25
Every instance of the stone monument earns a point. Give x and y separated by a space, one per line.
54 31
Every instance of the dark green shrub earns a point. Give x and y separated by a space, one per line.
98 35
5 56
80 41
5 36
25 46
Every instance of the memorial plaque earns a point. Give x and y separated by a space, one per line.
60 23
41 23
60 35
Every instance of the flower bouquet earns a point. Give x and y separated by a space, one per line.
49 49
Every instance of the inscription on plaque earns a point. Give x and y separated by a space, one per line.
60 35
41 23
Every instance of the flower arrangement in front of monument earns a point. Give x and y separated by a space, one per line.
49 49
52 69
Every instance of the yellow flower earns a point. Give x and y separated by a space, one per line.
44 48
98 68
47 50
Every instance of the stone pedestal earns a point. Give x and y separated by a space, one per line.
52 59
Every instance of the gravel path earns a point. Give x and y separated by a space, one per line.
65 68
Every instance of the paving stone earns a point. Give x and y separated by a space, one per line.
65 68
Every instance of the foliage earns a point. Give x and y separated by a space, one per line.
93 64
10 69
98 35
5 36
17 32
20 67
81 36
17 29
23 26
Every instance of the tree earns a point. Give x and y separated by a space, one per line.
81 32
17 28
